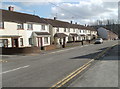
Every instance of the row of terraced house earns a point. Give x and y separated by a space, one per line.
26 30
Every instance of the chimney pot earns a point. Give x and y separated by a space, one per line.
10 8
71 22
54 18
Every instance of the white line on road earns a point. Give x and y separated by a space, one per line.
15 69
67 49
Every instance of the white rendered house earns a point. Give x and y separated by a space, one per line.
23 30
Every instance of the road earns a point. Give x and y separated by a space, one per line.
103 74
46 69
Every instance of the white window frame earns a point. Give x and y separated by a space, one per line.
46 40
43 27
1 24
65 30
30 26
57 30
20 26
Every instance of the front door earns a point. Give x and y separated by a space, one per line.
15 42
39 41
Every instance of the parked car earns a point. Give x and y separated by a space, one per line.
98 41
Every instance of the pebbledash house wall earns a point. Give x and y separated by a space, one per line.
38 28
54 31
61 30
10 28
78 31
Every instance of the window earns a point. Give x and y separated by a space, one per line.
21 41
30 41
57 29
43 27
3 42
20 26
46 40
73 30
1 24
30 26
65 30
68 29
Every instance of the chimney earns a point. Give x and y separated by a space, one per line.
75 22
71 22
10 8
54 18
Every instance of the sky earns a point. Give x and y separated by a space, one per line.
80 11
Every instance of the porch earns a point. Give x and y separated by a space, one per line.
7 41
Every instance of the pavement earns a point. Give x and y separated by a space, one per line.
44 70
103 74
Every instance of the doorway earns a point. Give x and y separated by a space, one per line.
15 42
39 41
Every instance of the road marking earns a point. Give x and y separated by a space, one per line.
74 73
79 70
67 49
73 76
14 69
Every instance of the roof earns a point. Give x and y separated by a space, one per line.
82 35
57 23
60 35
88 34
73 34
13 16
18 17
42 33
10 36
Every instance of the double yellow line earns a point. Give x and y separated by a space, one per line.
71 76
78 71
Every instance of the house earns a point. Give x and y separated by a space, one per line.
86 33
106 34
59 31
91 33
64 32
23 30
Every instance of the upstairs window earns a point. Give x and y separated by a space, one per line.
1 24
65 30
57 29
30 26
73 30
68 29
20 26
43 27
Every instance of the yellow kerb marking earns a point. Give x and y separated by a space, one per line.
76 72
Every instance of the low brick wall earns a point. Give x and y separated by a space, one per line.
25 50
73 44
50 47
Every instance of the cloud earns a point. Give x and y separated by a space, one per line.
86 11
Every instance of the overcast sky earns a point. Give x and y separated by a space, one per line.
81 11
